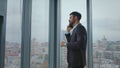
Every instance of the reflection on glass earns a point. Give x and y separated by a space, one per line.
68 6
106 34
13 34
39 31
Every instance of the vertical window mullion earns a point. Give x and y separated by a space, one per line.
3 30
58 33
54 34
51 34
89 34
2 41
26 34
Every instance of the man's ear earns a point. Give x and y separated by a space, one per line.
76 17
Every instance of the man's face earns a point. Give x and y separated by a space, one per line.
72 19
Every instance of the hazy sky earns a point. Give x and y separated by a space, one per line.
13 26
106 18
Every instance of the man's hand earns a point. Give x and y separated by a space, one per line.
68 29
62 43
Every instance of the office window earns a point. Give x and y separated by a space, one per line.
39 34
106 34
68 6
13 34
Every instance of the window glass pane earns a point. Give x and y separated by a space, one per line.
68 6
106 34
40 34
13 34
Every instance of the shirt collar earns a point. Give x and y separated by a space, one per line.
75 26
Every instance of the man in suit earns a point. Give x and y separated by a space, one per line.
76 42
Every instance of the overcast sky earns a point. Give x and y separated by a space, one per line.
106 18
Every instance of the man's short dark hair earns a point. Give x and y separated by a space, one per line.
76 14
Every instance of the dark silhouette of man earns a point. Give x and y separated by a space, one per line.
76 42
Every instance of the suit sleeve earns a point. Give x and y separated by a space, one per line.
80 36
67 37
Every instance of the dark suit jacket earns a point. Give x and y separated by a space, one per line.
68 37
76 46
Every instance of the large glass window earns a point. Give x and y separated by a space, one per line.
106 34
13 34
68 6
39 34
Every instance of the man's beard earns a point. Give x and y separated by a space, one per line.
71 23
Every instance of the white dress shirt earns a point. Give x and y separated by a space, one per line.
73 28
